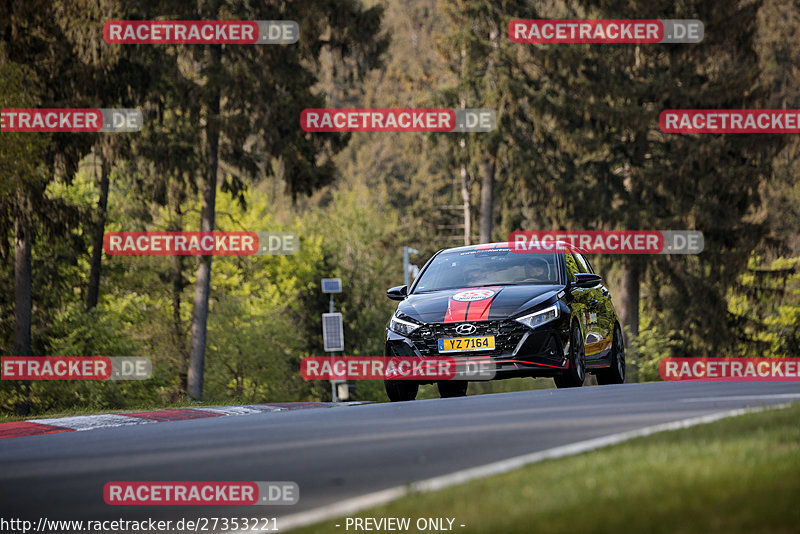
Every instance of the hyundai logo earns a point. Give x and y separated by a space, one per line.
466 329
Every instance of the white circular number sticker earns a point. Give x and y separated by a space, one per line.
473 294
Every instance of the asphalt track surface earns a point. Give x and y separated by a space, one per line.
342 452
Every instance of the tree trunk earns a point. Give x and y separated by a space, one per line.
487 199
22 290
467 209
178 284
22 304
629 297
93 290
203 286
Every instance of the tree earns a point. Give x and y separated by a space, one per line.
251 124
118 81
489 74
32 36
603 103
23 181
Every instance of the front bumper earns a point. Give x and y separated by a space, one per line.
519 350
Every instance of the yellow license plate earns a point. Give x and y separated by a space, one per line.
466 344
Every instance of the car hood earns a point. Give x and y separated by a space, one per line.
484 303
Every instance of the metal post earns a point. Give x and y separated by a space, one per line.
331 286
334 392
405 266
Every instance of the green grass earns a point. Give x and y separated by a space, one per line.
738 475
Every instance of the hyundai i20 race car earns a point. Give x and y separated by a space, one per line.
527 314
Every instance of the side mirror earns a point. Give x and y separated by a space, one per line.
586 280
397 292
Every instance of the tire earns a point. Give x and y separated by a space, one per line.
401 390
615 374
452 388
574 376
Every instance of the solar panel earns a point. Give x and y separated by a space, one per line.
332 332
331 285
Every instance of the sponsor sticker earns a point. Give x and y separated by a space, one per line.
471 295
605 31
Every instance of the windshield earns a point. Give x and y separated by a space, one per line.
473 268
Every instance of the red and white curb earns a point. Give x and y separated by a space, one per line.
91 422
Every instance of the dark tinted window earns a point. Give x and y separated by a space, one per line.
572 267
487 267
583 264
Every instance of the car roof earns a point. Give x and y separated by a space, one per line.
561 246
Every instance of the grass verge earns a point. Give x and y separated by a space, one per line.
738 475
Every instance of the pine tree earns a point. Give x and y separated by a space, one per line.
603 101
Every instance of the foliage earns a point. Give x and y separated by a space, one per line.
577 144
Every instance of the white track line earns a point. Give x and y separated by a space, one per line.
745 397
356 504
92 422
238 410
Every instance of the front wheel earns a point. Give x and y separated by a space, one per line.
452 388
615 374
575 374
401 390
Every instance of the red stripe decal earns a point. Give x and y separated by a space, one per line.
456 310
479 309
182 414
26 428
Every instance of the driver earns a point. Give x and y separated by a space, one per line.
473 277
536 269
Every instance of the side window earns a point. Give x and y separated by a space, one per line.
583 264
572 267
591 269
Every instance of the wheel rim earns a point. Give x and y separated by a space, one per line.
580 364
620 350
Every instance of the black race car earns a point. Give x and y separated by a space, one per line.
527 314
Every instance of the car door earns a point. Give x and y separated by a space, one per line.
599 320
580 296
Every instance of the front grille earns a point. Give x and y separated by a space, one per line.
507 335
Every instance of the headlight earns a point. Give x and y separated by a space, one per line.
539 318
402 327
